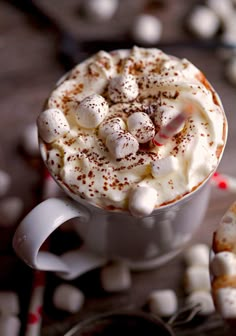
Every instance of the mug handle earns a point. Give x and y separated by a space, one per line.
38 225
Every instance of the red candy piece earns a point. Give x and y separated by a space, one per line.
223 185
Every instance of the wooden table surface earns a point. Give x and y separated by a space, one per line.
29 68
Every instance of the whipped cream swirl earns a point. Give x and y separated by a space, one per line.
105 152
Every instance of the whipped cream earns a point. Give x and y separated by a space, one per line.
102 156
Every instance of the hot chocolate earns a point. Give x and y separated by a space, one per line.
98 126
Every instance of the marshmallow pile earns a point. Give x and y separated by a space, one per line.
223 265
197 279
217 19
99 123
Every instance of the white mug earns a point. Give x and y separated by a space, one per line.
107 235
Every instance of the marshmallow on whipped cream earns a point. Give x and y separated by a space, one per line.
98 125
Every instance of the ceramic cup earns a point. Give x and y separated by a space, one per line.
107 235
142 243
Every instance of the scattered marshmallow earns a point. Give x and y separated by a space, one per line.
110 126
123 88
91 111
115 277
223 263
141 127
9 303
9 325
225 235
147 29
229 34
29 140
204 300
197 255
226 302
121 144
164 166
100 9
163 303
68 298
230 70
142 201
203 22
11 209
222 8
52 124
197 278
5 181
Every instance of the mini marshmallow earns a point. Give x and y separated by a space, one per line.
223 263
141 127
203 22
115 277
163 302
204 300
229 34
226 302
164 166
230 70
110 126
222 8
11 209
100 9
197 255
9 325
52 124
91 111
5 181
142 201
123 88
29 140
147 29
225 235
121 144
197 278
9 303
68 298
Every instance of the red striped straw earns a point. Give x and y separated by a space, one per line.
34 320
168 131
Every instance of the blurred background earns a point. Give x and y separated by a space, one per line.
41 40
